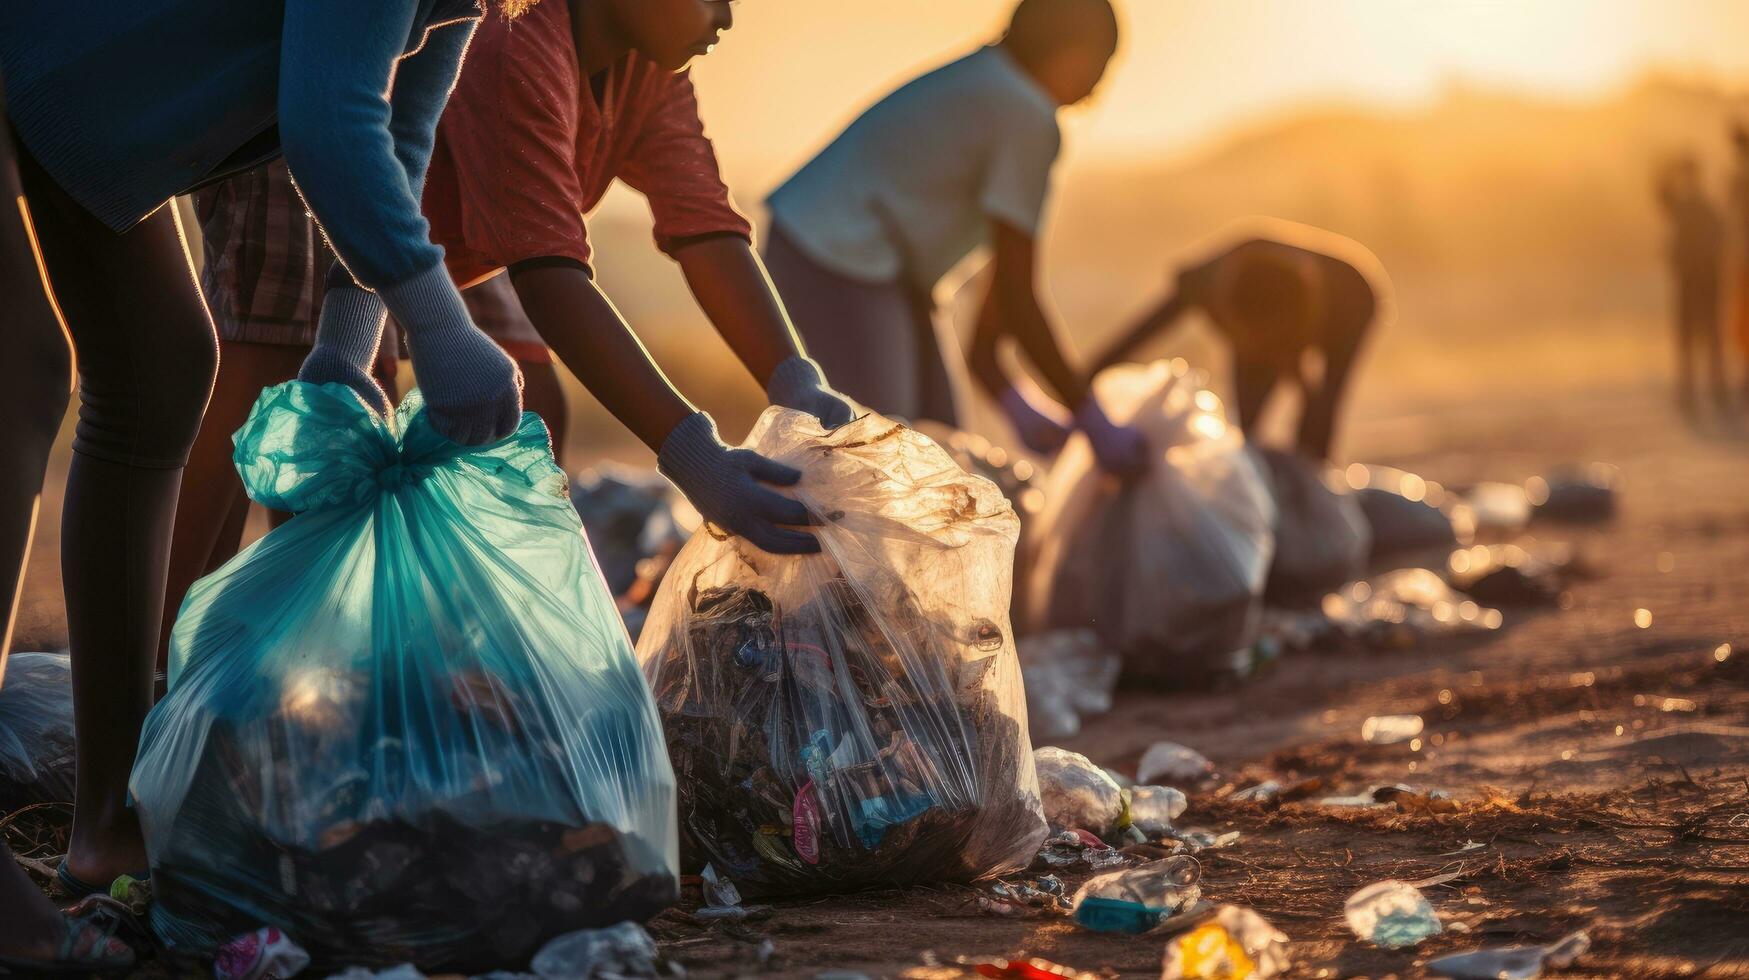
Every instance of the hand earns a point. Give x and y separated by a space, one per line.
1042 424
348 332
1122 450
724 484
473 390
797 383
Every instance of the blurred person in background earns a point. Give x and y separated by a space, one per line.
1739 233
1294 305
956 159
1696 250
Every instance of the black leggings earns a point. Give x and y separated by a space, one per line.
146 355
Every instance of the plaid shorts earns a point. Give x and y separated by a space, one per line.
266 262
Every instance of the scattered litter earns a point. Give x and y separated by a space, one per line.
36 730
1153 808
1382 795
1268 792
1390 729
1029 969
858 717
1025 898
1076 851
1168 567
1321 536
260 955
623 950
1576 494
722 900
1498 508
1296 630
1070 676
134 893
405 971
1237 944
1197 841
1139 899
1401 610
1171 764
1392 914
1077 793
1466 846
1512 963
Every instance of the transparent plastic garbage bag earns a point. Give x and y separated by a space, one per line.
1169 567
856 717
406 726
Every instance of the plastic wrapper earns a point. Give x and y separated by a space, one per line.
856 717
1169 567
36 730
1322 539
1077 794
406 726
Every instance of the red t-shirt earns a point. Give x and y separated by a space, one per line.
525 149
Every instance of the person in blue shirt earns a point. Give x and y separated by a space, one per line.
108 111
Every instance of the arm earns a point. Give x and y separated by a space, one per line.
594 341
1156 321
1020 316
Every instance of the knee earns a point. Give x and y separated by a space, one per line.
147 413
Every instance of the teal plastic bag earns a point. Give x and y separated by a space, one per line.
407 726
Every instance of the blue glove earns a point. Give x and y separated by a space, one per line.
797 383
1121 450
1040 429
724 484
348 332
473 390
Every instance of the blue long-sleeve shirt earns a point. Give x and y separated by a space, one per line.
127 103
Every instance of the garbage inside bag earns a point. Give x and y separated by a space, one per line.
1070 676
621 950
1392 914
1576 494
1407 515
1171 764
1400 610
856 717
1513 962
1169 567
1321 536
1137 900
406 726
36 730
1235 944
1077 793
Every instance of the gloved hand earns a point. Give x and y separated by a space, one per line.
348 333
797 383
473 390
1121 450
724 484
1042 424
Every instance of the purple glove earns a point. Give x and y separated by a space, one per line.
1121 450
1043 428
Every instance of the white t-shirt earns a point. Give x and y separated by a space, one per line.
911 187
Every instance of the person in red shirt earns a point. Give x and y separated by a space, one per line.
550 110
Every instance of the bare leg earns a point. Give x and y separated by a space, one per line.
544 395
213 507
146 356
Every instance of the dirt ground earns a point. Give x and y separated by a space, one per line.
1601 767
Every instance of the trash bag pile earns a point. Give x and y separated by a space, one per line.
855 717
1412 520
1169 567
1322 538
36 731
406 726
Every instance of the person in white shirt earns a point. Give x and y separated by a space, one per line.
957 159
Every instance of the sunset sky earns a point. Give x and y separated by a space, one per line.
792 72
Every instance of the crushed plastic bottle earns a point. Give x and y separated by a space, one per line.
1236 944
1077 793
259 955
624 950
1513 962
1172 764
1153 808
1393 914
1391 729
1139 899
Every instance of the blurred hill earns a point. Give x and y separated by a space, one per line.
1521 235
